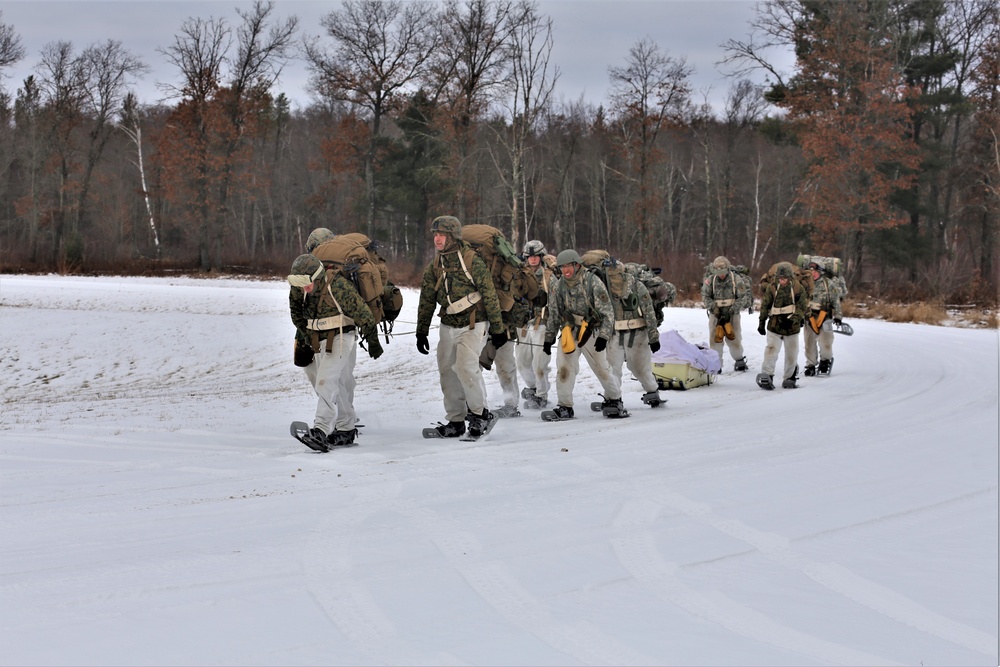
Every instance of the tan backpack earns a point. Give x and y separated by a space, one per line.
350 257
501 259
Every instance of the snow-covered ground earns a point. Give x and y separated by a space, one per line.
156 511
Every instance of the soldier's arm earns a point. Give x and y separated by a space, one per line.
602 305
296 306
648 312
706 293
484 283
428 300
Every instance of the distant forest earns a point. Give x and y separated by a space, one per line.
880 147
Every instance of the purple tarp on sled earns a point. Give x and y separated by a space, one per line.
675 350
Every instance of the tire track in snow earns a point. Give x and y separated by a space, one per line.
501 590
637 552
833 576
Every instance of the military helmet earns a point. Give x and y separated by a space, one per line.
534 248
317 237
721 264
447 224
305 269
784 270
568 257
813 266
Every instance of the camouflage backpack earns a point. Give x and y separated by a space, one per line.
392 297
801 278
831 265
661 292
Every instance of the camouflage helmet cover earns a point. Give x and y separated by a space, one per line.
305 269
447 224
568 257
784 270
721 264
535 248
317 237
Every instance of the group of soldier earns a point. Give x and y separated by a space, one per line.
565 303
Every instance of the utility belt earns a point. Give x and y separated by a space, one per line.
317 336
464 303
341 321
783 310
724 303
627 325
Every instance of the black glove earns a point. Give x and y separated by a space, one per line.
600 344
423 345
762 330
498 339
374 347
654 346
838 321
547 348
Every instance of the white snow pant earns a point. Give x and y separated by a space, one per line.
638 358
506 368
774 343
331 375
735 345
461 375
823 341
532 362
568 367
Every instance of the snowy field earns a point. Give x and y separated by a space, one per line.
155 510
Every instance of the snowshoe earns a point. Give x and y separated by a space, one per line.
741 364
506 411
652 399
765 381
810 371
479 425
342 438
614 409
597 406
789 382
535 402
313 438
449 430
825 366
528 392
561 413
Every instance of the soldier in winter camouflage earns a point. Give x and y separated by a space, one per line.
328 314
635 335
782 310
725 296
532 362
824 304
459 281
580 311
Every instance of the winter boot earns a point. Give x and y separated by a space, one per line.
789 382
528 392
536 402
741 364
479 424
810 371
613 408
451 429
652 399
507 411
342 438
825 366
316 440
563 412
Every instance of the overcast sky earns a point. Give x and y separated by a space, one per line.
590 36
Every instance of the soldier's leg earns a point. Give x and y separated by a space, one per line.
468 346
598 362
346 417
616 355
639 359
506 367
826 344
523 357
791 355
329 386
717 347
809 340
771 350
567 368
452 390
735 345
540 364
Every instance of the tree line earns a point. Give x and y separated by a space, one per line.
880 147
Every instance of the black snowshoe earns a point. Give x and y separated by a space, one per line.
613 408
825 366
789 382
532 400
506 411
810 371
313 438
479 425
561 413
740 365
342 438
652 399
765 381
449 430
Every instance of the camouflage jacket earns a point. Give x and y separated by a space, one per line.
322 302
730 294
446 282
826 296
545 277
637 305
525 289
792 298
583 296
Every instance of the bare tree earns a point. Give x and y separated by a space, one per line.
530 86
11 49
131 125
648 94
380 50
